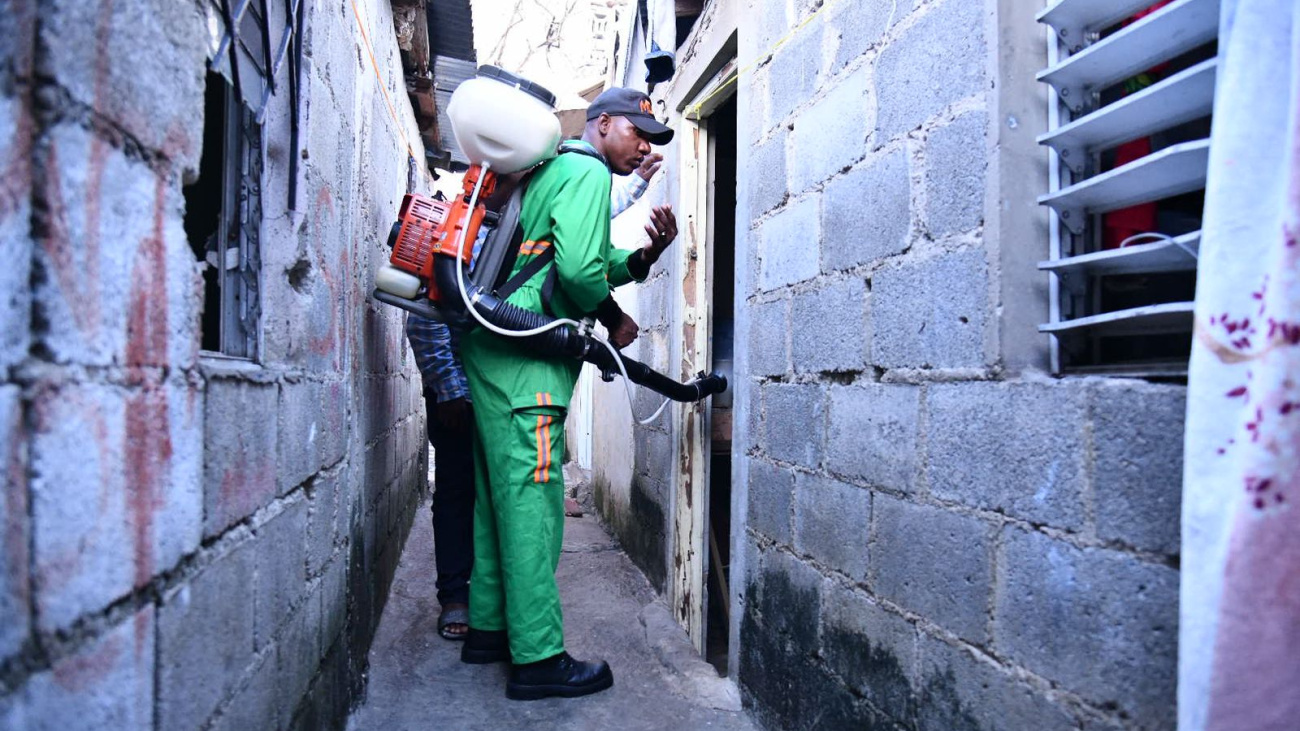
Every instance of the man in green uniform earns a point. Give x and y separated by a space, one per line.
521 398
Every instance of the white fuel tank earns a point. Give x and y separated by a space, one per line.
504 120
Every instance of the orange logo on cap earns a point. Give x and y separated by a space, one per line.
645 106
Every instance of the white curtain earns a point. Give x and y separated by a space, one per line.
1239 645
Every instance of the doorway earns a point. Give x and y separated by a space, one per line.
722 278
700 578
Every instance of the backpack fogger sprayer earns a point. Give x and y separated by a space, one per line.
504 124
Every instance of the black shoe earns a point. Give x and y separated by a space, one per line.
485 646
558 675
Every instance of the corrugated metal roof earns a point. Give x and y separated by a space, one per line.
451 29
448 73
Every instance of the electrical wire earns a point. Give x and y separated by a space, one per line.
1153 237
558 322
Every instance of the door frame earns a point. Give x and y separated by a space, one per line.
687 588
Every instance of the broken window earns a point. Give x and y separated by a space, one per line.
223 206
223 217
1132 97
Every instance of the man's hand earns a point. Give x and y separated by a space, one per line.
454 414
662 229
650 165
624 333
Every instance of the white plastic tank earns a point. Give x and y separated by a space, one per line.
395 281
504 120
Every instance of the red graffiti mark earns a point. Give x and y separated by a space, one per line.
246 482
79 672
333 337
148 447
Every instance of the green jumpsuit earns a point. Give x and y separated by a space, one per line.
520 400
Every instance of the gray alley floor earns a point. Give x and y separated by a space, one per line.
610 611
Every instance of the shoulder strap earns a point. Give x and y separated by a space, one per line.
511 285
528 272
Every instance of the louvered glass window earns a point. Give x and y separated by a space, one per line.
1131 104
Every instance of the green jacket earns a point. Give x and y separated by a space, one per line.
566 206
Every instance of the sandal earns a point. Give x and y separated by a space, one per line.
453 614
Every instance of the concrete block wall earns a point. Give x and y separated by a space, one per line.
938 535
189 541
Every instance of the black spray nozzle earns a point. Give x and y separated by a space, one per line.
563 341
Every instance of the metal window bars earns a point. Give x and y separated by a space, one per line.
249 60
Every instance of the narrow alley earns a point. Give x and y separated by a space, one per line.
610 611
918 365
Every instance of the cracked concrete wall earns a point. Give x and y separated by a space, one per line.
192 541
939 535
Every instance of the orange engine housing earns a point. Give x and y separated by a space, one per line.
430 227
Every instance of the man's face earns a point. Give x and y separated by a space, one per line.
624 144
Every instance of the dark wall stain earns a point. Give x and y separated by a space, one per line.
861 663
643 535
941 708
786 687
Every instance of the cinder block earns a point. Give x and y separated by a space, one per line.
1101 623
15 225
960 691
1137 484
873 650
298 655
128 506
956 159
321 520
257 703
794 423
156 96
771 496
117 275
829 332
1016 448
859 27
831 135
108 683
14 529
770 25
768 189
855 232
314 426
831 523
281 570
787 246
873 434
205 639
933 562
785 688
794 71
653 453
934 63
240 440
931 313
753 125
768 325
334 600
786 594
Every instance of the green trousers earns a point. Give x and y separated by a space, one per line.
518 517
